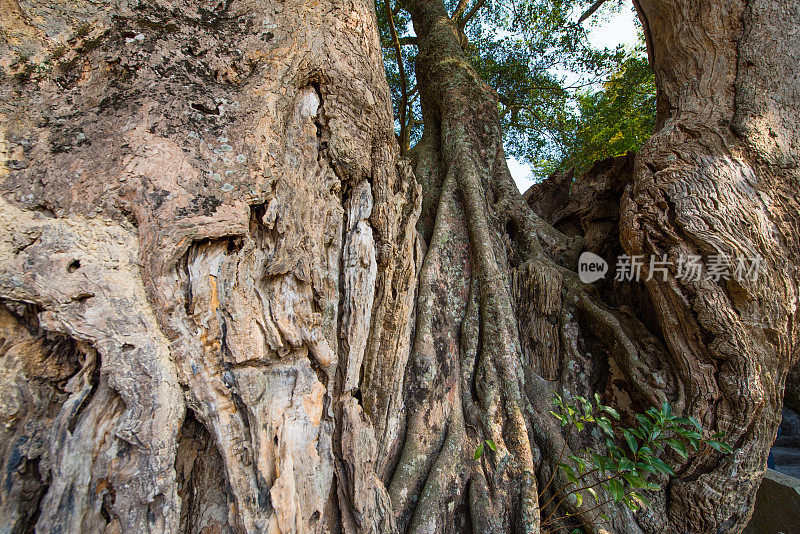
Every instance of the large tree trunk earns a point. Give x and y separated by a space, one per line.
204 231
227 305
721 177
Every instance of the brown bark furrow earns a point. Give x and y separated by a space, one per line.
62 269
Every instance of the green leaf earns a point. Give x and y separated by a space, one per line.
479 452
659 464
601 462
641 466
632 445
578 499
625 465
630 503
605 427
638 482
616 489
579 462
689 434
634 480
719 446
682 421
614 451
610 411
645 422
569 472
655 415
677 446
642 500
491 445
696 423
593 493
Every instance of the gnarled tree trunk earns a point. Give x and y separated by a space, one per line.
228 305
204 230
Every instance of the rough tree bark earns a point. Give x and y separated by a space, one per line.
229 306
204 231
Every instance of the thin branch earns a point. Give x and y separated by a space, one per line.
582 512
593 520
405 144
507 109
560 456
463 22
578 489
408 40
591 10
403 84
460 8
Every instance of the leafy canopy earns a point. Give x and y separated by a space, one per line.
562 102
614 120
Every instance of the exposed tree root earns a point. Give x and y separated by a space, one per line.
468 374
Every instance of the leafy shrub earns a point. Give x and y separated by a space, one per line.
632 454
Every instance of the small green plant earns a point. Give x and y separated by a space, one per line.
632 455
479 451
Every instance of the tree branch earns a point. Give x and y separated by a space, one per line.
591 10
578 489
463 22
596 507
403 84
460 8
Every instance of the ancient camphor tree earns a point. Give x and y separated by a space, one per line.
229 306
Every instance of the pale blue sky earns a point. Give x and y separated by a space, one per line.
620 28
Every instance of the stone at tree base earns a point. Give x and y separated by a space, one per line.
777 508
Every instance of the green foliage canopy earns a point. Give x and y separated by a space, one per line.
614 120
562 102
